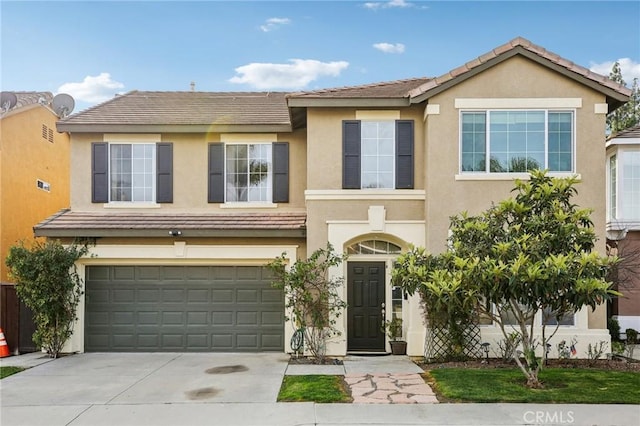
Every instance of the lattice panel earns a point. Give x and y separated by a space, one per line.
438 345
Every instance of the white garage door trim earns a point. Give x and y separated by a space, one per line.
174 254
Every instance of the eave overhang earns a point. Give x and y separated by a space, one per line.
614 98
172 128
349 102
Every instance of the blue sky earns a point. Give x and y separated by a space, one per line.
95 49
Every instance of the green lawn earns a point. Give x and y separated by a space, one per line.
7 371
579 386
313 388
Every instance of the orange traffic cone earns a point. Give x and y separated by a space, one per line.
4 348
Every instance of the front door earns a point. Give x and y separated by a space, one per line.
365 298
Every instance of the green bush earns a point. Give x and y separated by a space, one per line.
614 329
48 283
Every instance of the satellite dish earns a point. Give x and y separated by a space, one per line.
62 104
7 101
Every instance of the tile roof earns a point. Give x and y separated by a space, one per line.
187 108
24 99
29 98
632 132
386 89
92 224
525 44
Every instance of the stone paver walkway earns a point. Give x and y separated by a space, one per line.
389 388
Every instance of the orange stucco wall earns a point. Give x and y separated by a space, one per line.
25 157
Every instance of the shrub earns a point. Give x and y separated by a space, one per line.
614 329
48 283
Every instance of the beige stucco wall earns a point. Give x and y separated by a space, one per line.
515 78
190 162
324 141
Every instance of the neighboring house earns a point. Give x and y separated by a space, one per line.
187 194
623 222
34 179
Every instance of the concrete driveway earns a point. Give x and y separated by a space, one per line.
141 378
232 390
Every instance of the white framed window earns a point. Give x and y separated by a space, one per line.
248 172
378 154
514 141
629 184
132 172
613 187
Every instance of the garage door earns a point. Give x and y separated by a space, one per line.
182 308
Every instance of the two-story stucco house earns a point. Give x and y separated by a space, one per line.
186 195
623 222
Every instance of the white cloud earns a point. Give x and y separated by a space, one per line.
274 23
295 75
93 89
389 47
387 5
629 69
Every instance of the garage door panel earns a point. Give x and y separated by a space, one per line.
247 341
123 295
197 318
185 309
148 273
199 295
247 296
222 318
120 273
247 318
222 341
222 296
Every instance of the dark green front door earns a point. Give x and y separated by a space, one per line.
365 298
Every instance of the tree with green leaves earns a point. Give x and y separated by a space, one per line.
48 283
523 257
312 296
627 115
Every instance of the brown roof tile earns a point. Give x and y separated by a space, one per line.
187 108
633 132
72 223
386 89
523 43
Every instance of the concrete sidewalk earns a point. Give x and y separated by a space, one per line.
234 389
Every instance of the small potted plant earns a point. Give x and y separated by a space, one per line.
393 329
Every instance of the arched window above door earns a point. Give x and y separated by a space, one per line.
374 247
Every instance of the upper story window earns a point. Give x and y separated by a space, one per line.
613 187
377 154
131 172
624 184
513 141
248 173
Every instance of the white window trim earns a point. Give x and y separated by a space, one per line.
620 152
144 140
393 178
239 140
483 175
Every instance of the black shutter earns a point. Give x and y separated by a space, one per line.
351 154
404 154
216 173
280 172
99 172
164 172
